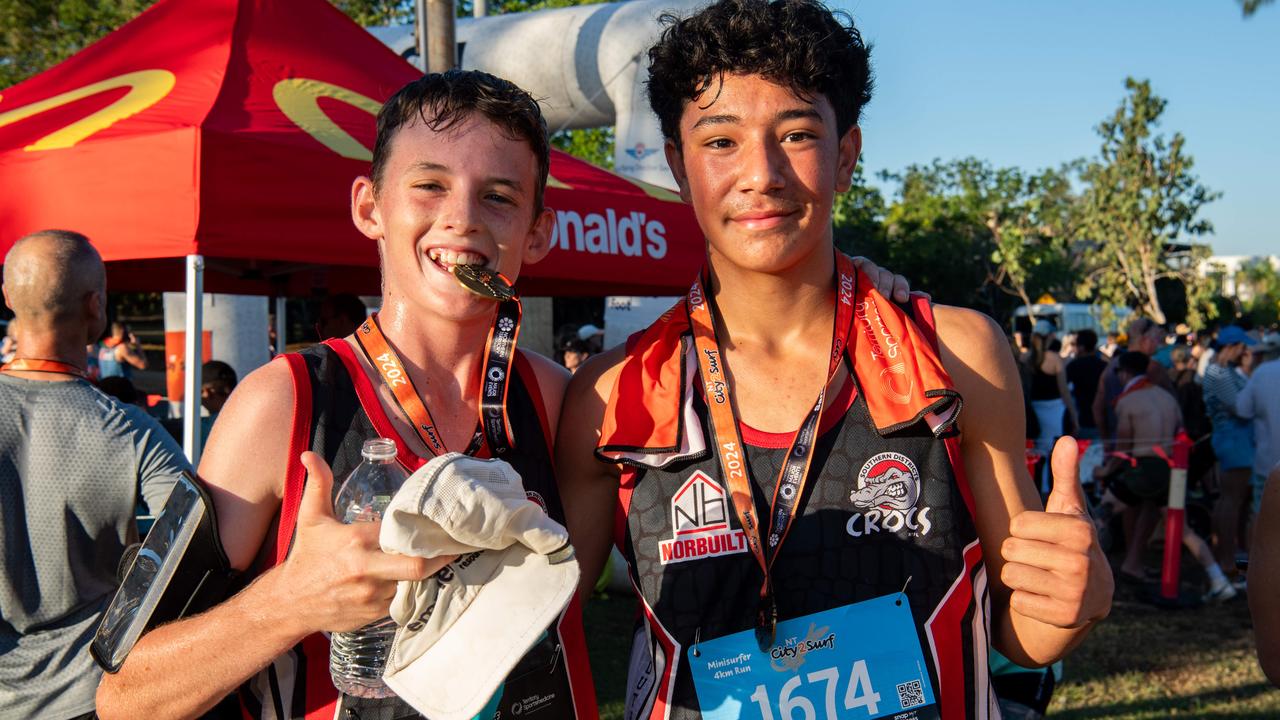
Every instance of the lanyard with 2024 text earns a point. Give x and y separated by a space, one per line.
499 355
728 439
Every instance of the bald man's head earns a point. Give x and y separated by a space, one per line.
52 278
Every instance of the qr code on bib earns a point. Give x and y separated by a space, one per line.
910 694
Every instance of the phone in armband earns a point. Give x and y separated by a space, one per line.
179 569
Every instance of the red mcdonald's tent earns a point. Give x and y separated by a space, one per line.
231 129
228 132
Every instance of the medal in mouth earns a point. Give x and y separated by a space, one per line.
484 282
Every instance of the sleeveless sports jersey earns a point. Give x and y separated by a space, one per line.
882 513
108 365
337 410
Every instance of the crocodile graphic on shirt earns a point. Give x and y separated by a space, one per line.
896 488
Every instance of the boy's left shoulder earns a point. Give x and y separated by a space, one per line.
970 341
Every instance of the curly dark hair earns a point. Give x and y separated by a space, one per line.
797 43
441 100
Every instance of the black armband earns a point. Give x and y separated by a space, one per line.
180 569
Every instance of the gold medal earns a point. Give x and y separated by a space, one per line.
484 282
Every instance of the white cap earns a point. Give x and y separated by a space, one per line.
586 332
464 629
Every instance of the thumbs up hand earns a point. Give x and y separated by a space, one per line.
338 575
1053 565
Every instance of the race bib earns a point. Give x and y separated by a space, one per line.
858 661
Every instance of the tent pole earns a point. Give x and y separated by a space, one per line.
442 47
194 354
281 325
420 15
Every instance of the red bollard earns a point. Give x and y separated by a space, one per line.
1174 518
1033 459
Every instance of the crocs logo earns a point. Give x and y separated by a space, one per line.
887 492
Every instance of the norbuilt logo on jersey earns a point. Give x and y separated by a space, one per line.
700 523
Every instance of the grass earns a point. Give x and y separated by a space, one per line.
1139 664
1144 662
609 621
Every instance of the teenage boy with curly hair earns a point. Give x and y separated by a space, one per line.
809 518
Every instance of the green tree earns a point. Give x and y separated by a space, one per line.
858 219
37 34
1140 212
935 232
980 236
1249 7
1258 286
502 7
1031 219
595 145
376 12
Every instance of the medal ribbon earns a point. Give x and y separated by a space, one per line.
499 354
43 366
728 439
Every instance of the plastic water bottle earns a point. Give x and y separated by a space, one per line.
358 658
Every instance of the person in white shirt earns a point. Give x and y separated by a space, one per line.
1260 401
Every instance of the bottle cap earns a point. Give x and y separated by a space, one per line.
379 449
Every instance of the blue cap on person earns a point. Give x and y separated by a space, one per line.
1232 334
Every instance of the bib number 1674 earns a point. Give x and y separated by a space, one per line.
793 705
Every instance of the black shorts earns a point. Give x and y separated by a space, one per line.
1146 481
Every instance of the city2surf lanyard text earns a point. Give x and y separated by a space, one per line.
728 439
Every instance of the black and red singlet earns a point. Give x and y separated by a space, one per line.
886 506
336 410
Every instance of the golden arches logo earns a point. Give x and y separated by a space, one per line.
299 100
146 88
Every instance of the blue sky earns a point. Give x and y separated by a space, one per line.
1024 83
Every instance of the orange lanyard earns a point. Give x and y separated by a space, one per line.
494 425
43 366
728 439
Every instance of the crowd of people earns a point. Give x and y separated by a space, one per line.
1132 401
749 512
